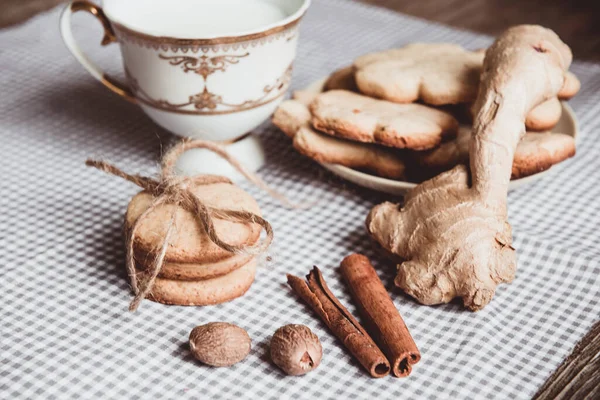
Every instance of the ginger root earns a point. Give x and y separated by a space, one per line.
452 235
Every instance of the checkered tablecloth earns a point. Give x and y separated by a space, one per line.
65 329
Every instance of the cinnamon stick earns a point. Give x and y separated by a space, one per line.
340 322
379 314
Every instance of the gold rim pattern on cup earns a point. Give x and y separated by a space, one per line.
220 44
206 102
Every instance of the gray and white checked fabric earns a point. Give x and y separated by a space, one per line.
65 329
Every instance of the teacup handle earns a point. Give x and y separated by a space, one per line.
109 37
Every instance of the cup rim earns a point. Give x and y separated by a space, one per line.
253 34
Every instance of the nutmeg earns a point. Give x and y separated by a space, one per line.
219 344
295 349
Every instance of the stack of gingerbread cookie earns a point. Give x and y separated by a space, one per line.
406 114
196 271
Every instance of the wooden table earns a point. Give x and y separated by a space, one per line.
576 21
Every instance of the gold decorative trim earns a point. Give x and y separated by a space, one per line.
206 103
151 103
203 65
118 87
222 44
109 33
235 140
109 37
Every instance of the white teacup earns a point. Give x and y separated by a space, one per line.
207 69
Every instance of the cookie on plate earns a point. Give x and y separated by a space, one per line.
387 163
545 116
293 118
570 87
308 95
436 73
352 116
291 115
541 118
536 152
342 79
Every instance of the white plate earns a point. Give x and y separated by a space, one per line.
567 125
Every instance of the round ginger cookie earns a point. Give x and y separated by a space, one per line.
194 271
436 73
535 152
189 242
342 79
352 116
290 116
570 87
204 292
381 161
542 117
545 116
293 118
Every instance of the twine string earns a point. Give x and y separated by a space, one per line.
170 160
129 239
176 190
147 285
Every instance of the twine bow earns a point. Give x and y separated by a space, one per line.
173 189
